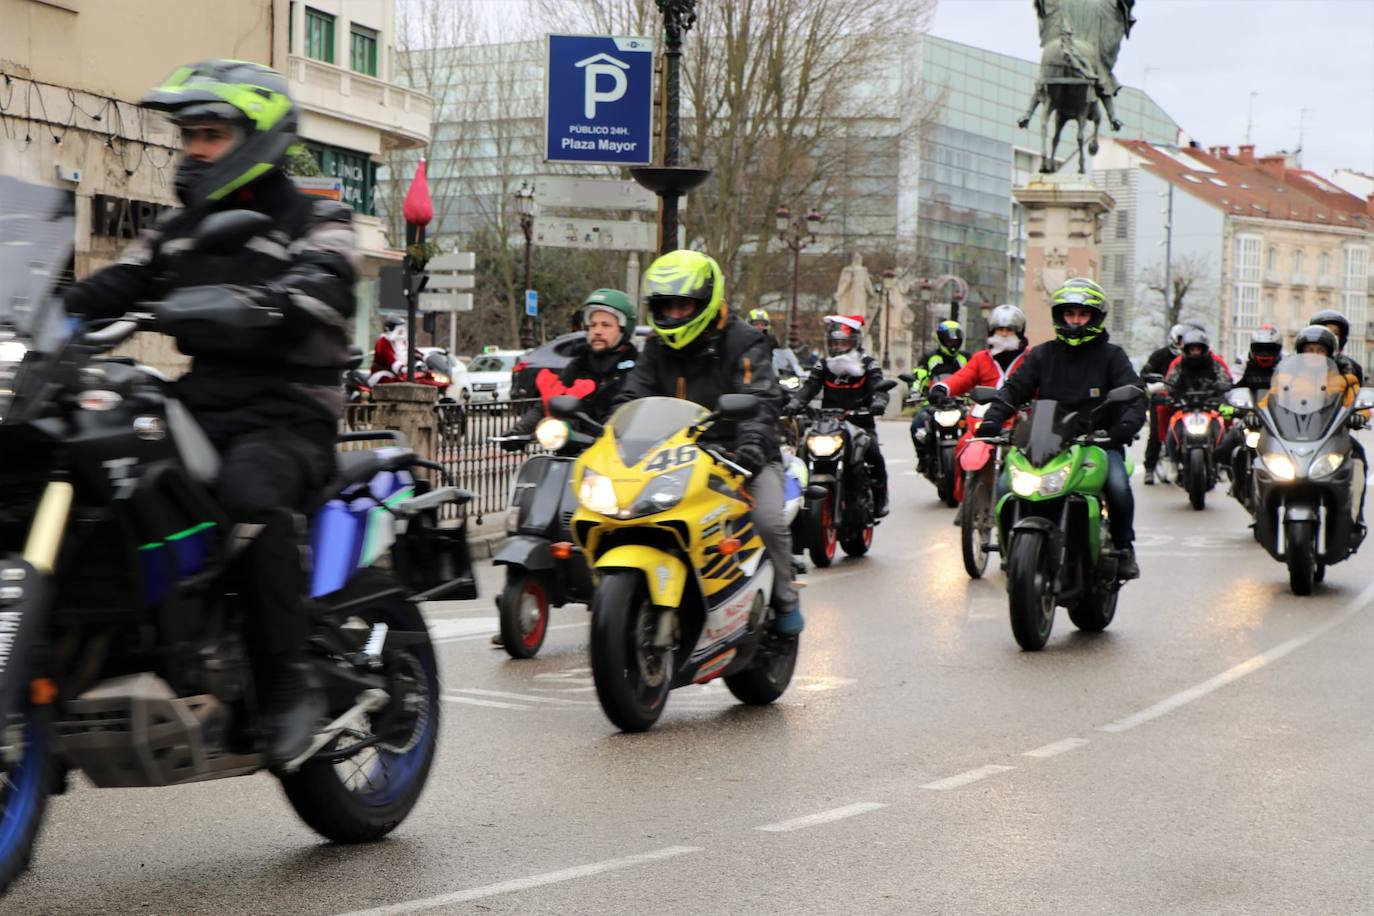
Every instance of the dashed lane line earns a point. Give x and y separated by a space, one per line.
1056 748
487 632
473 701
822 817
524 697
524 884
963 779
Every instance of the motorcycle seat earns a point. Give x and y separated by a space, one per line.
355 467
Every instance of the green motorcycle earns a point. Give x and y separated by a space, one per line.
1053 522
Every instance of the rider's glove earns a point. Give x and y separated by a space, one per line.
988 430
511 444
792 408
751 457
1122 434
1358 421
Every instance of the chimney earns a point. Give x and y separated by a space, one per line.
1225 152
1273 165
1247 154
1369 205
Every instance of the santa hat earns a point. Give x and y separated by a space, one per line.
850 321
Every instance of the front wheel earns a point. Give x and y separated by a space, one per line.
524 613
25 786
976 525
945 488
1302 556
824 536
1030 593
1197 479
632 675
767 678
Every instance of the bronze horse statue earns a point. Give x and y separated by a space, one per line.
1079 42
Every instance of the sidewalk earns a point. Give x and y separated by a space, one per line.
485 539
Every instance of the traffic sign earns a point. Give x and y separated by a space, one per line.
532 302
595 234
446 281
599 100
445 302
454 260
593 193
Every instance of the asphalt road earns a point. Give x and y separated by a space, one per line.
1209 753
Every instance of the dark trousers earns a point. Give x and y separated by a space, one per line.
1120 501
1159 419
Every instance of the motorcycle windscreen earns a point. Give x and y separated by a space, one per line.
1041 437
37 234
1305 395
641 426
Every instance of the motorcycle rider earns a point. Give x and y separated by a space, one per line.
1320 338
270 408
849 379
785 362
1266 349
946 358
1006 350
1339 325
698 352
1158 364
389 355
1195 370
1078 369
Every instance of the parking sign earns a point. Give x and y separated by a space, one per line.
599 100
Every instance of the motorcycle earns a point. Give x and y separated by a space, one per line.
1243 461
434 368
1195 430
839 508
1307 488
944 425
683 580
122 619
979 464
1054 523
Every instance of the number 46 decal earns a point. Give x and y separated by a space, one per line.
671 458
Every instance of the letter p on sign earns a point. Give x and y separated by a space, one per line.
596 67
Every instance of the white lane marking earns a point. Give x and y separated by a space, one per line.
442 629
823 817
1249 666
471 701
491 628
1057 748
524 884
525 697
963 779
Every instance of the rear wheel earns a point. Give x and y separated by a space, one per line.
1302 556
976 525
1030 593
945 488
524 613
25 786
1197 479
1094 612
824 536
632 676
767 678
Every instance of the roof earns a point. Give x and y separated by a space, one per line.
1268 187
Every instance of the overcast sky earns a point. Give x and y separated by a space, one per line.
1207 56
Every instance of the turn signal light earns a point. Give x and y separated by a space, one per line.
42 691
561 550
728 546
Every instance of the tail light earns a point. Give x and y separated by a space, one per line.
520 366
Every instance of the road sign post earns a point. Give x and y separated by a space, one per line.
599 100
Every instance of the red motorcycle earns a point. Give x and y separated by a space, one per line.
975 486
1195 431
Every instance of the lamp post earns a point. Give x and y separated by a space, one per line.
528 209
796 233
888 281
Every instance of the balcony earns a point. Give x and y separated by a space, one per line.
1272 278
1299 279
401 115
1326 281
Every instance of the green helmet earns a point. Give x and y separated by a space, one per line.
690 275
757 316
252 98
613 301
1079 291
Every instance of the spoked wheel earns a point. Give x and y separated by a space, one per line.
767 678
1302 556
524 613
824 535
1029 592
632 676
976 525
24 788
1197 479
363 784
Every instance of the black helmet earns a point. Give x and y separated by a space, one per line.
392 322
1266 344
252 98
1197 349
841 335
950 334
1316 334
1342 323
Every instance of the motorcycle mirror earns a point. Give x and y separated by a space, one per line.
1242 399
1364 399
737 406
984 394
906 377
1124 393
564 406
887 384
355 358
228 230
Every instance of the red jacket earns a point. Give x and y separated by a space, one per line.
981 369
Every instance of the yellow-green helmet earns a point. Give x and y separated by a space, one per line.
1079 291
687 275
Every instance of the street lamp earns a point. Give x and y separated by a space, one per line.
528 209
888 282
796 233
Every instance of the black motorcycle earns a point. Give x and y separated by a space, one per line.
122 611
1308 485
1195 431
944 425
544 568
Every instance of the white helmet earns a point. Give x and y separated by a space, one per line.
1007 316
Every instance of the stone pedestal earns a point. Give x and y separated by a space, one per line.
410 409
1064 215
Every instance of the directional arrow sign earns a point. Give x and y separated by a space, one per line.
444 281
595 234
445 302
453 261
593 194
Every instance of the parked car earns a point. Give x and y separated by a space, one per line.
553 356
489 375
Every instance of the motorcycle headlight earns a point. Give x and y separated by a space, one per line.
1029 483
1252 437
1196 424
663 492
824 445
13 351
1280 465
441 379
791 383
552 433
597 494
947 418
1326 464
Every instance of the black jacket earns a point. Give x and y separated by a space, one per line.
847 392
1159 361
1079 378
1349 367
1210 378
733 358
1255 377
607 371
303 267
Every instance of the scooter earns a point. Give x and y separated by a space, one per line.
1309 488
1195 430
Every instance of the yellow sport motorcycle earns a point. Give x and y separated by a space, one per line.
683 581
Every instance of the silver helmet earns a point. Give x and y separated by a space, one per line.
1007 316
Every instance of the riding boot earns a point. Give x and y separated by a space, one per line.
879 500
292 708
1127 567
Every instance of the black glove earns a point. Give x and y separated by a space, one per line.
751 457
1122 434
792 408
988 430
1358 421
513 445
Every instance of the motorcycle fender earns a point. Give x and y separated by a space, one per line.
665 573
1050 529
1300 512
975 456
529 552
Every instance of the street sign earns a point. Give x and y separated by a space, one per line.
595 234
599 100
445 302
532 302
438 282
593 194
453 261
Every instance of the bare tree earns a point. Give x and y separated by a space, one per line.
1186 274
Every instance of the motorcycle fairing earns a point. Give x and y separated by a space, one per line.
355 528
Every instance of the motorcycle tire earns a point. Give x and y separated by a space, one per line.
824 536
856 545
1030 596
1301 541
1095 610
323 791
973 535
945 487
25 787
767 678
1197 479
524 613
632 684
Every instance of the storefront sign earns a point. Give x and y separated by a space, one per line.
121 217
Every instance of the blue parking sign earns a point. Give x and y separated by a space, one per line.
532 302
600 100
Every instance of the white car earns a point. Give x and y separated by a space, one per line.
489 375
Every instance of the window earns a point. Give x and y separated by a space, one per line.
1355 269
319 35
291 28
1297 261
1119 271
363 54
1246 297
1271 258
1247 259
1324 264
1123 224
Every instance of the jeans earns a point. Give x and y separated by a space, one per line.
919 422
767 489
1120 501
